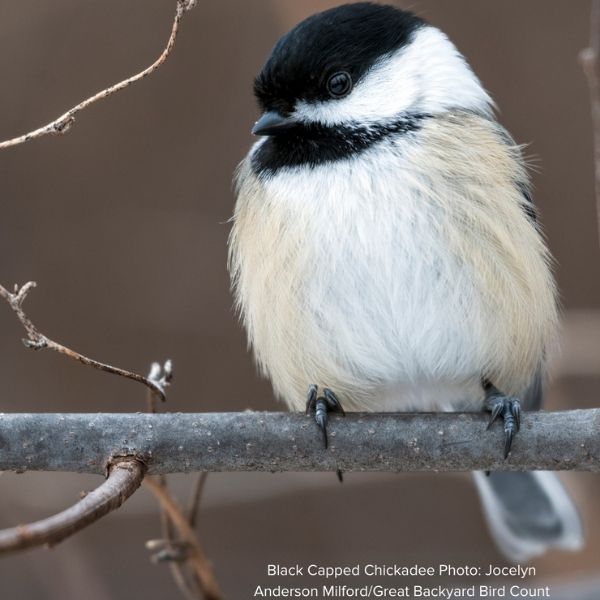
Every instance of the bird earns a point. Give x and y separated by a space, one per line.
385 252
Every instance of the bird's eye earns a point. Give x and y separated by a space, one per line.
339 84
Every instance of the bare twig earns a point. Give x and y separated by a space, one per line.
192 513
37 341
124 478
171 549
196 556
267 441
590 60
167 550
176 553
64 122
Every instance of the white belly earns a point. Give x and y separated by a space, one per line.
383 313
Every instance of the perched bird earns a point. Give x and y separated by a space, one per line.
385 246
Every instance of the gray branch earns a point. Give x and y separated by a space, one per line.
268 441
124 477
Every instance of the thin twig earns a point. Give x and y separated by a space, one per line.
124 477
194 504
170 548
64 122
37 341
197 556
590 60
176 553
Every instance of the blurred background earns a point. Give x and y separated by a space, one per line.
123 224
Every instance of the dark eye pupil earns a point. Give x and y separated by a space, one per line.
339 84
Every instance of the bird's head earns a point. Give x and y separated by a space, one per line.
360 65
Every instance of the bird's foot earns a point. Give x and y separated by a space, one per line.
321 406
509 409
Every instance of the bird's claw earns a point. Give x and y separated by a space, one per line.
311 398
510 411
322 406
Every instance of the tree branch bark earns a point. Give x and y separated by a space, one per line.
124 478
259 441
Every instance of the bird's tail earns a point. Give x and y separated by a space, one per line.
529 513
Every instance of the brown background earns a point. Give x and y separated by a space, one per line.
122 222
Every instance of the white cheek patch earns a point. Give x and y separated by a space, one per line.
427 76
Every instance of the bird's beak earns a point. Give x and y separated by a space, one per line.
272 123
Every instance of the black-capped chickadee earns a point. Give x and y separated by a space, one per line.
385 246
